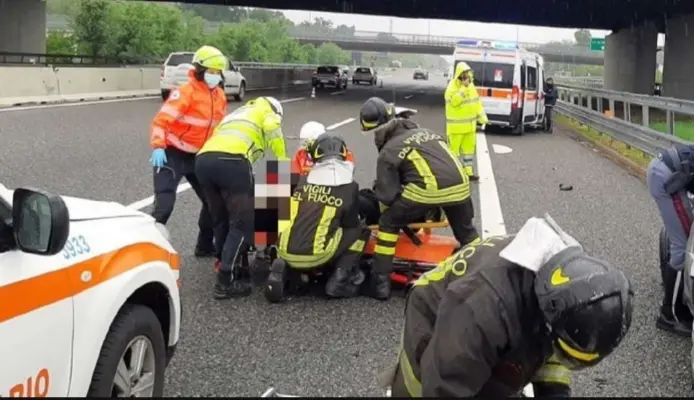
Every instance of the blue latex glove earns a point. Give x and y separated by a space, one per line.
158 158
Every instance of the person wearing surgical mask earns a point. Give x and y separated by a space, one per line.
180 128
509 314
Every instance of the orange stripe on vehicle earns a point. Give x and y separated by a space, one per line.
25 296
472 53
496 93
531 96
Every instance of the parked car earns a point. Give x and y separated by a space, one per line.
174 73
420 73
329 76
365 75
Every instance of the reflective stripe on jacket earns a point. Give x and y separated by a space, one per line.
188 116
463 105
249 131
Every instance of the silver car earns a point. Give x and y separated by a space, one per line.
365 75
330 76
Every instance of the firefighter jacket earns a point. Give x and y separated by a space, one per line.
249 131
189 116
473 327
325 202
417 164
464 108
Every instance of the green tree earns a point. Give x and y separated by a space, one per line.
583 37
60 42
90 25
330 53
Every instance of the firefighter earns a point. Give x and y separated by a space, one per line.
224 168
325 228
670 177
464 111
415 172
508 311
179 130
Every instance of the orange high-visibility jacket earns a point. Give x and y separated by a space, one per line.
189 116
302 164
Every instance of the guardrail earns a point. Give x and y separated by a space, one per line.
613 113
585 81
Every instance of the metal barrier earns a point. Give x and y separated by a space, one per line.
597 108
584 81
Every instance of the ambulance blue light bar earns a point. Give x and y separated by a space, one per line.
467 43
506 45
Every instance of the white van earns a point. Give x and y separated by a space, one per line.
174 73
509 81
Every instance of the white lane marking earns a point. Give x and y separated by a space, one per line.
140 204
334 93
409 96
339 124
81 103
501 149
491 217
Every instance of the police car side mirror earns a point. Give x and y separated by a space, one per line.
40 222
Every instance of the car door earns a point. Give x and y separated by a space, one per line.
530 111
231 77
36 321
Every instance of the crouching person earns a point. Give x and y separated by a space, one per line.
325 230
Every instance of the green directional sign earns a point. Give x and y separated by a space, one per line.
597 44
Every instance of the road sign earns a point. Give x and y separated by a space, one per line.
597 44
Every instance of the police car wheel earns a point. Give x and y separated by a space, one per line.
276 281
134 338
664 247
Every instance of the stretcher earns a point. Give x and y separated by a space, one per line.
418 250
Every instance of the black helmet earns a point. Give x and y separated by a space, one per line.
587 304
374 113
326 147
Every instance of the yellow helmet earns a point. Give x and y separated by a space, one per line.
210 57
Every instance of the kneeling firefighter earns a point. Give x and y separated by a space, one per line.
325 226
670 177
415 172
224 168
508 311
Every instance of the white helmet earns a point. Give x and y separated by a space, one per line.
310 131
276 105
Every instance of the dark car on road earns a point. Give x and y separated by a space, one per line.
420 73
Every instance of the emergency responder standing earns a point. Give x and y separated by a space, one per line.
505 312
325 228
670 176
179 130
464 111
415 173
550 101
224 168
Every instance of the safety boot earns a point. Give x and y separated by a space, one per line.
674 316
346 278
204 247
474 178
227 288
380 286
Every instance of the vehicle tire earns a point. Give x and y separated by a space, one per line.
276 281
133 324
165 94
664 256
518 130
242 92
354 82
344 87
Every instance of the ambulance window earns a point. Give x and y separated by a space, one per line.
498 75
532 78
522 86
477 71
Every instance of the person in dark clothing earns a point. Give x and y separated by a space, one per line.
670 178
550 100
325 228
415 172
508 311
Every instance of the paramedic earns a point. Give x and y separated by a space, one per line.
179 130
223 167
508 311
325 226
463 112
550 101
415 172
302 163
670 176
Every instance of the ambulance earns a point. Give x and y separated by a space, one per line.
508 79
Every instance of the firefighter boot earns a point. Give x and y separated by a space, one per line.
379 283
674 315
346 278
204 246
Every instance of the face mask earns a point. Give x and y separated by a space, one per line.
212 80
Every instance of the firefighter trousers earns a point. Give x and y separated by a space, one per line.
227 181
403 212
179 165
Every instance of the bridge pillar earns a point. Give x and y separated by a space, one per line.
630 59
23 26
678 75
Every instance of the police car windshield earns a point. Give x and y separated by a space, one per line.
178 59
491 75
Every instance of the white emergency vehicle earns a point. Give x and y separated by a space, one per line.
508 79
90 298
174 73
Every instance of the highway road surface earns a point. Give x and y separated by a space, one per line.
312 347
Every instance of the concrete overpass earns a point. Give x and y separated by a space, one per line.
629 62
